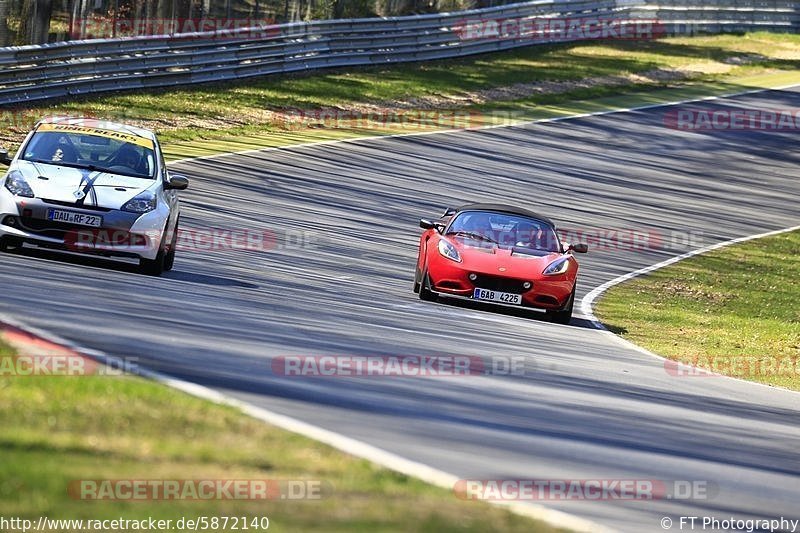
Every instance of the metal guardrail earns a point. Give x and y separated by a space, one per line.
34 73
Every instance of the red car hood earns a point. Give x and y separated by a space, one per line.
490 260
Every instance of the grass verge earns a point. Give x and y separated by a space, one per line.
519 85
60 429
733 310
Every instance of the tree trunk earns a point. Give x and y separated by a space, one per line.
296 9
35 23
150 16
338 9
164 17
136 16
4 37
394 8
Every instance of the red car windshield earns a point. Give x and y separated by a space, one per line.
505 230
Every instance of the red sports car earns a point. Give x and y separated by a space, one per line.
499 254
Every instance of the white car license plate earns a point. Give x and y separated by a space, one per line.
71 217
495 296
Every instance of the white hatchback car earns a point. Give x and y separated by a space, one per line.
92 186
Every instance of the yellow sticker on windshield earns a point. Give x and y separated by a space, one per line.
111 134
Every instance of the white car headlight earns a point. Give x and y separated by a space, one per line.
449 251
559 266
143 202
16 183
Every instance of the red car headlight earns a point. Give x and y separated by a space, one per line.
449 251
559 266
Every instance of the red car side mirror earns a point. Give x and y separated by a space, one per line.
579 248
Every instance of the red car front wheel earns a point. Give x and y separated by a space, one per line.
563 316
425 292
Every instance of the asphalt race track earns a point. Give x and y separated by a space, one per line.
586 408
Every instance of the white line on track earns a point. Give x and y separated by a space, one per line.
362 449
588 300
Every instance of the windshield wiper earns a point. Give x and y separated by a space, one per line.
473 235
90 166
93 168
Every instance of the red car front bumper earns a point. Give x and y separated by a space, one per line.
448 277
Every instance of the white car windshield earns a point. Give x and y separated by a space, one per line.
506 231
98 150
